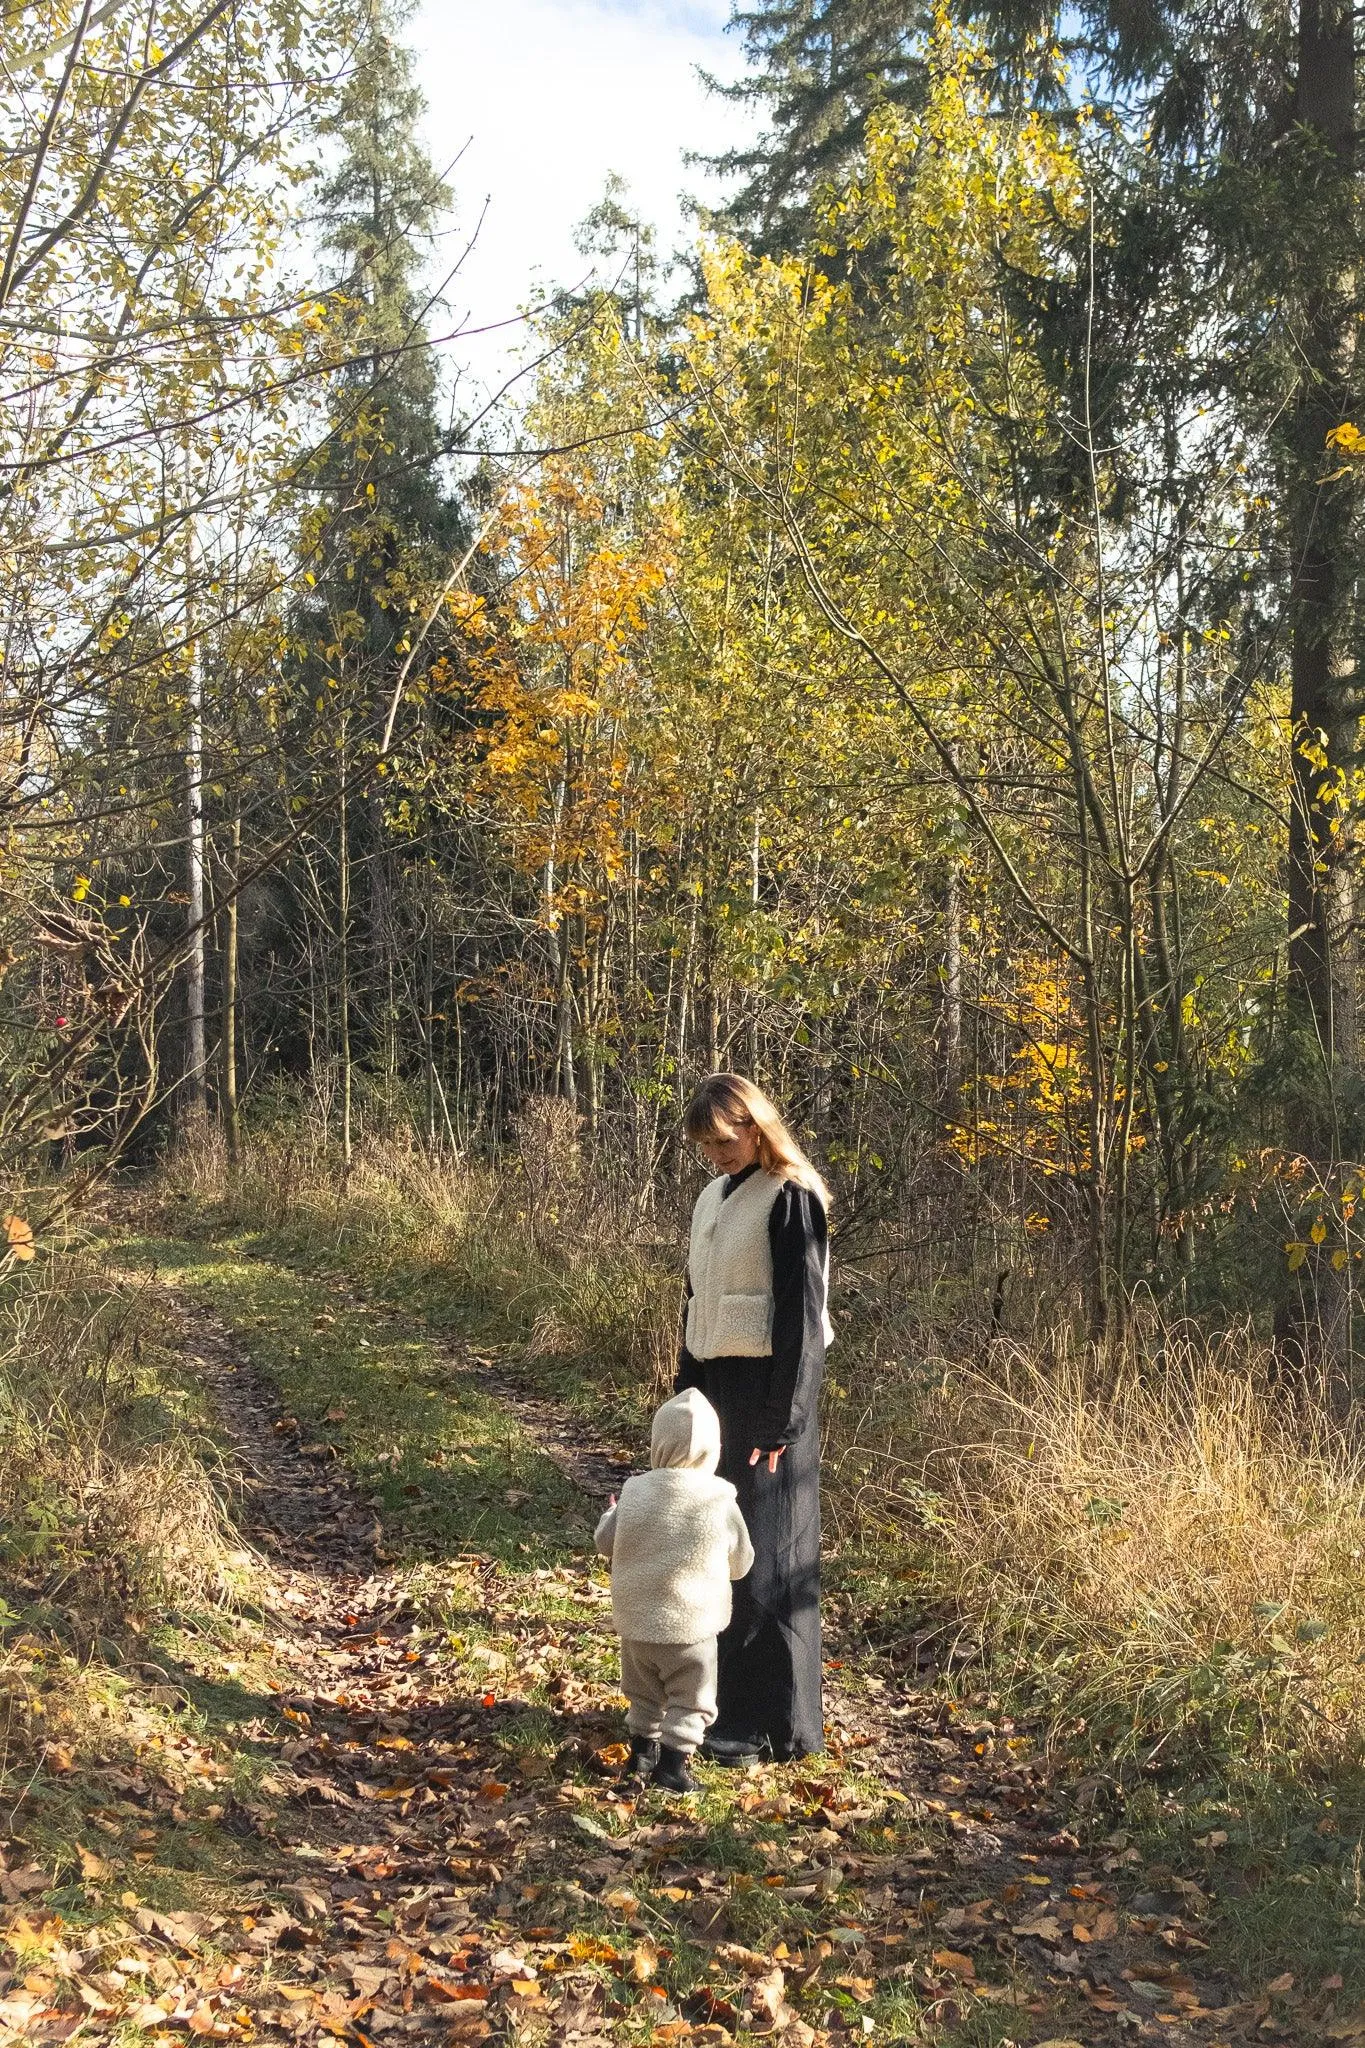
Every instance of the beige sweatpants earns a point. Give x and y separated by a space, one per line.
672 1690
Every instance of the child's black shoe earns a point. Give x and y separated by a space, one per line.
671 1773
641 1763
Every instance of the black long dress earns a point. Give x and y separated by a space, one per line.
769 1656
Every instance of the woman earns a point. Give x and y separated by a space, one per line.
757 1328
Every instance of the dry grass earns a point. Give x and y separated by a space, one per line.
539 1250
1162 1548
108 1503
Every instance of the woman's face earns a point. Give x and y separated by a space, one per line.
731 1148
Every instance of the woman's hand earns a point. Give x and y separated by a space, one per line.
771 1456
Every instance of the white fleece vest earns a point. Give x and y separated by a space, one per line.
675 1539
730 1266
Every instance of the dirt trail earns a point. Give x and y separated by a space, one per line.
453 1862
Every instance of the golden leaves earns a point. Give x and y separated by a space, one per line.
1348 438
19 1239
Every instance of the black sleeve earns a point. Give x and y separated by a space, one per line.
797 1233
689 1372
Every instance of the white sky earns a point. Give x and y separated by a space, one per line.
546 97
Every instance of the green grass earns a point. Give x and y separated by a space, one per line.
451 1474
446 1467
1282 1863
593 1320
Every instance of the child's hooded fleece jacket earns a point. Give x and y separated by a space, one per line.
676 1537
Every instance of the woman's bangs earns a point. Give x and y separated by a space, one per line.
708 1120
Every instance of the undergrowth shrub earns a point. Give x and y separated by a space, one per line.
1161 1549
108 1502
539 1249
1158 1550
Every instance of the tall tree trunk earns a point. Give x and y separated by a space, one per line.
196 1092
1323 709
755 848
950 1047
231 1117
344 962
429 996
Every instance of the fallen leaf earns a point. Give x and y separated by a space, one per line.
1041 1928
740 1958
952 1959
1100 2001
20 1236
588 1948
441 1991
93 1867
314 1904
767 1996
1282 1983
643 1962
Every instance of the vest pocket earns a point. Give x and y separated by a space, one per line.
746 1326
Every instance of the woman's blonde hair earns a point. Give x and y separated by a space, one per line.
723 1102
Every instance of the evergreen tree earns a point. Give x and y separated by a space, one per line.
381 536
818 69
1249 163
378 469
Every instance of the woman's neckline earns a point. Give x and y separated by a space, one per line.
737 1180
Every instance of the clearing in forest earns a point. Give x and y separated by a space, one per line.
375 1798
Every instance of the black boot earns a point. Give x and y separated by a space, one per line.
642 1761
671 1773
735 1755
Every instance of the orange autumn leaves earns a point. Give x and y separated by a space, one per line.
19 1244
555 677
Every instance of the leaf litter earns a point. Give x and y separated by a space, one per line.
438 1849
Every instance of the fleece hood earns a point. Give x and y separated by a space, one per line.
686 1434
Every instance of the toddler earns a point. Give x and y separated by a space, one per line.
675 1540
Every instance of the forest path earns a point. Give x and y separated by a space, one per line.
438 1849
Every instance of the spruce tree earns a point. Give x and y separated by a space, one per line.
379 467
1243 193
382 531
818 68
